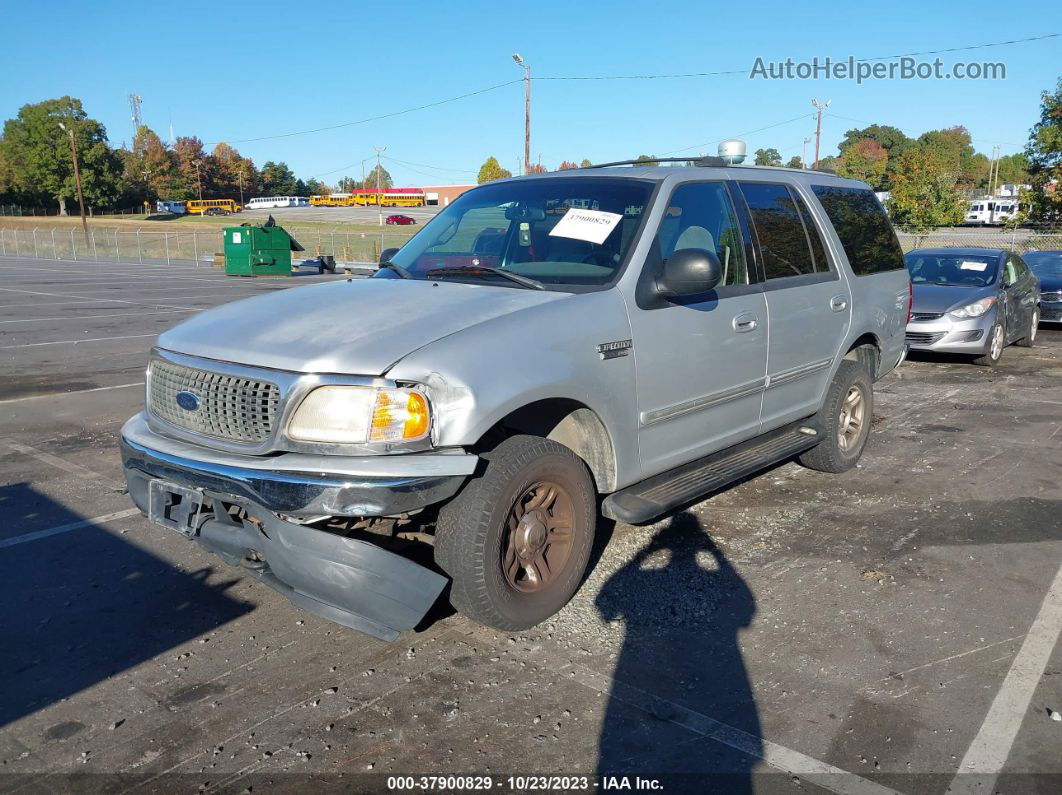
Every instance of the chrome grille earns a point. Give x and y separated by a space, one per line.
233 408
1052 297
920 316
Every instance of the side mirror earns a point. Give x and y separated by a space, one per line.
689 271
387 253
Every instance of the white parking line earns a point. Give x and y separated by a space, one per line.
60 463
777 756
66 528
114 300
989 750
93 317
75 342
73 392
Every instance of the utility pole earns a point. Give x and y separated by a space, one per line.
241 186
198 179
379 199
527 109
993 171
819 107
77 179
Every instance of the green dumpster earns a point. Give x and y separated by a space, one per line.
259 251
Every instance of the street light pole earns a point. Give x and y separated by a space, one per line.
527 109
77 179
819 107
804 153
379 199
198 179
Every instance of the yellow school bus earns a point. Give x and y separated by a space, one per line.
332 200
392 197
212 206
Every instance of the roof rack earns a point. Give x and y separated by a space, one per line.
705 162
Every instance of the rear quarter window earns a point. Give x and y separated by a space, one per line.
862 227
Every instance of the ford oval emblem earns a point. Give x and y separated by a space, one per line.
189 401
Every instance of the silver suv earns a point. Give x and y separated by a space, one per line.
623 340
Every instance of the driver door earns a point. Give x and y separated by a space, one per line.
701 361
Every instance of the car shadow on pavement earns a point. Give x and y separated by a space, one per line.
85 605
684 606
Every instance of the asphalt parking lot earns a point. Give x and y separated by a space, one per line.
342 215
883 630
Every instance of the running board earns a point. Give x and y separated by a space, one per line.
661 493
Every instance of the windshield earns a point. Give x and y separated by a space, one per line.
571 232
1045 263
952 269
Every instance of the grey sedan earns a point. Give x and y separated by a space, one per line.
971 300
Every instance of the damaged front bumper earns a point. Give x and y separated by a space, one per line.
349 581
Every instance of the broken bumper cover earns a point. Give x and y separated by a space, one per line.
349 581
297 485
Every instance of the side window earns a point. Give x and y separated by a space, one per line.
700 215
783 241
1010 273
862 227
817 249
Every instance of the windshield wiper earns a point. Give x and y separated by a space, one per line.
523 281
397 269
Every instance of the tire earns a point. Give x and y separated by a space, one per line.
992 355
1030 339
843 420
493 527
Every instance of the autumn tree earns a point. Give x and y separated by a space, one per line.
584 163
567 165
384 182
768 157
233 174
892 139
36 151
188 151
866 161
536 168
925 189
1044 152
647 160
492 170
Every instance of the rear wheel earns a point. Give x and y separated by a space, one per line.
844 420
517 539
1030 338
997 337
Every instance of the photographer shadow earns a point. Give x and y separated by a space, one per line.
680 676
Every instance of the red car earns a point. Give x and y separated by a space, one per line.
401 220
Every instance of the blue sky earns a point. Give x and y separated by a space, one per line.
233 71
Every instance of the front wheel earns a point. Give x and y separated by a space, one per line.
516 540
843 421
996 342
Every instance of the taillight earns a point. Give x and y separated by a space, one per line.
910 298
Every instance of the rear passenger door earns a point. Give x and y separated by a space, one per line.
809 304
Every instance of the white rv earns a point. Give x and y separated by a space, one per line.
990 212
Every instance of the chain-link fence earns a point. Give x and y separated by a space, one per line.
1019 240
105 244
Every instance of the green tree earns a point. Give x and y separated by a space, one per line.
795 162
647 160
492 170
1013 169
955 148
193 169
892 140
1044 152
371 182
278 179
37 153
768 157
584 163
346 185
231 171
315 187
866 161
925 189
829 163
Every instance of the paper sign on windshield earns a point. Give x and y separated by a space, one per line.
592 226
968 265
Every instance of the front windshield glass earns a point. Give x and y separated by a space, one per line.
952 269
566 231
1045 263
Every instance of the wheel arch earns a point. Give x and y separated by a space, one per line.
866 349
568 422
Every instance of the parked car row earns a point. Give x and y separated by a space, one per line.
977 301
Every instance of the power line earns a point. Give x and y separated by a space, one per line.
742 134
426 165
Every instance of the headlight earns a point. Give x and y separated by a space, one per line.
976 309
359 414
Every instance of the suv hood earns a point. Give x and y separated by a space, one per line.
941 298
352 327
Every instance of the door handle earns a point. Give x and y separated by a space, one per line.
838 303
746 321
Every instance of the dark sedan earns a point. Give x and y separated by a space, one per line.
971 300
1048 266
401 220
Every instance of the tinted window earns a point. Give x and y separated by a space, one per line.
700 215
821 264
863 228
1045 263
783 240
